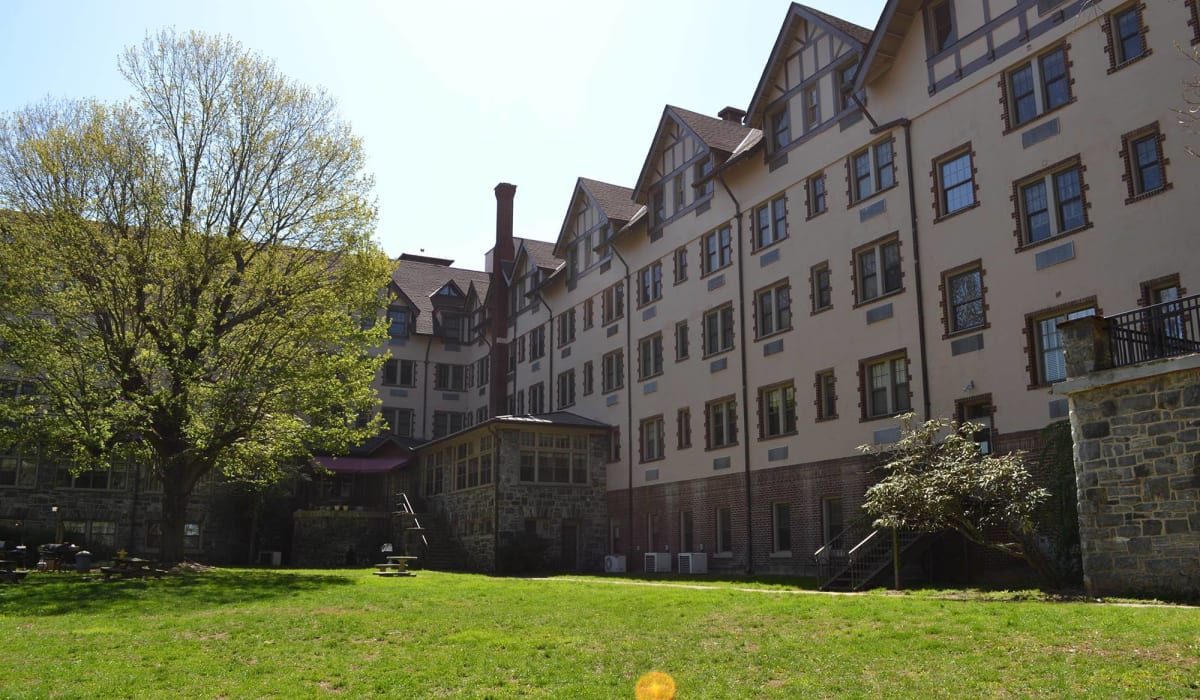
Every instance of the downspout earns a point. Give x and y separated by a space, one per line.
551 385
737 207
628 393
425 390
906 124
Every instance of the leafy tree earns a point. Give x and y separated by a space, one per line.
937 480
188 277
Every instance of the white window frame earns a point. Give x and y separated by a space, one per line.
716 250
770 222
718 330
773 308
650 356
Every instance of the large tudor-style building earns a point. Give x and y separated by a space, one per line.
896 222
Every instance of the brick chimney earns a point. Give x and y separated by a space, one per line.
502 258
732 114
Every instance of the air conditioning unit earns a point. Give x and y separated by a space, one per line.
614 563
693 563
658 563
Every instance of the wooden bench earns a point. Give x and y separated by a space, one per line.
395 566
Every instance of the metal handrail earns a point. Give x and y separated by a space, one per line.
1168 329
406 508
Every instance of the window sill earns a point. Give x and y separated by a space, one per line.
966 331
715 270
716 353
1130 62
826 419
859 202
769 246
612 390
868 419
679 282
1052 239
652 460
715 448
956 212
772 334
649 302
1148 194
648 377
814 215
879 298
1029 122
821 310
681 359
769 438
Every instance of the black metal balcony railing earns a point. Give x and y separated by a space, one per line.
1163 330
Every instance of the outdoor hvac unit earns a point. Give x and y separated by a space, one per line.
614 563
658 563
693 563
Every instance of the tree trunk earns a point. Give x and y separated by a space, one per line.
174 518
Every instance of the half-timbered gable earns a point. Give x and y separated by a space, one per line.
808 82
597 211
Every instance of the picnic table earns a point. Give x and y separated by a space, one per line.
132 567
395 566
9 573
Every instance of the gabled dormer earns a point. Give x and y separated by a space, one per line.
808 82
687 148
401 312
598 210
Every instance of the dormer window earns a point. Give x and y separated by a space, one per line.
398 322
453 327
940 25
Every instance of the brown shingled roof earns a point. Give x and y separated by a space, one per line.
615 201
859 34
419 280
541 252
717 134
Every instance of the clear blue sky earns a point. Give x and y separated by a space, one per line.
449 97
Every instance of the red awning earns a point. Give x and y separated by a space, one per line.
362 465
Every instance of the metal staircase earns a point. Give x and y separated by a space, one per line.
420 529
858 555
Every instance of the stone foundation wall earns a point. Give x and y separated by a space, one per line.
322 538
1137 461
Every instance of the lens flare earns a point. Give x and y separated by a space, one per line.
656 686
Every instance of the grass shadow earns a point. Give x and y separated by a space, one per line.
60 594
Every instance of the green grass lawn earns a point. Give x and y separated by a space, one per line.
260 633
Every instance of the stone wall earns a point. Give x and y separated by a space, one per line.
1136 431
325 538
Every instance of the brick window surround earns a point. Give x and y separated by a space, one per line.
1018 213
1134 186
948 327
1006 105
1115 61
939 190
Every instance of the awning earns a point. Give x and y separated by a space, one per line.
362 465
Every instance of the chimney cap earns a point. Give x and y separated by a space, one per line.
506 188
732 114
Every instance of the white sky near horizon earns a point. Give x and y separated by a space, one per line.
450 98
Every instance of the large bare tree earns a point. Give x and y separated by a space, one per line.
188 278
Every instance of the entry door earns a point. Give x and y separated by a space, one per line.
570 547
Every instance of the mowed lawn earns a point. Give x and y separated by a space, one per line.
261 633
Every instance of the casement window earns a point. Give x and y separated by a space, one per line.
872 170
773 307
566 327
885 386
658 203
716 250
724 530
447 423
679 191
537 343
777 410
845 85
537 399
770 222
939 25
702 170
1051 203
653 436
978 410
687 531
826 385
613 365
612 304
589 378
566 389
1049 362
399 421
877 269
781 528
449 377
815 189
822 287
955 181
1125 31
451 326
650 360
399 372
680 258
1036 87
963 299
721 423
683 428
812 107
718 330
398 322
589 311
1142 152
650 283
781 129
681 341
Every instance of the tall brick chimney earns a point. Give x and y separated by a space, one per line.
502 258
